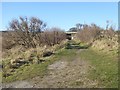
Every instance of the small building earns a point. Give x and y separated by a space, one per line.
71 35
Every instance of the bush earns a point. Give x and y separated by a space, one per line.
88 33
25 31
53 36
7 40
31 33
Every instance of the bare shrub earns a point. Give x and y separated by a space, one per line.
88 33
32 32
26 30
110 32
7 41
53 36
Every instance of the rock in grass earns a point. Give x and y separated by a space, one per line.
13 66
41 60
6 74
18 62
12 70
47 53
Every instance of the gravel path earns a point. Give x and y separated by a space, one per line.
61 74
66 74
18 84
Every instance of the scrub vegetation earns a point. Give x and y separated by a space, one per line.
45 57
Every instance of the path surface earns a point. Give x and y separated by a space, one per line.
63 73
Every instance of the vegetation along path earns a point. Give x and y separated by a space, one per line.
72 70
69 71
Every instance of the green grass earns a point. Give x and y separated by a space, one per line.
105 68
32 70
67 54
74 45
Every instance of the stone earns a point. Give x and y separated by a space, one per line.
40 61
47 53
14 66
18 62
6 74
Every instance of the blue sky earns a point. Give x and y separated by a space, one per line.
62 14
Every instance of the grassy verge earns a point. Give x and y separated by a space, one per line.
33 70
105 68
29 71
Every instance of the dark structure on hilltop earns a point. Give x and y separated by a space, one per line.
71 35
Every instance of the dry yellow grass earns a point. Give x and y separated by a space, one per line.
106 44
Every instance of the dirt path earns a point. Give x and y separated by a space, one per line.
66 73
63 73
18 84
